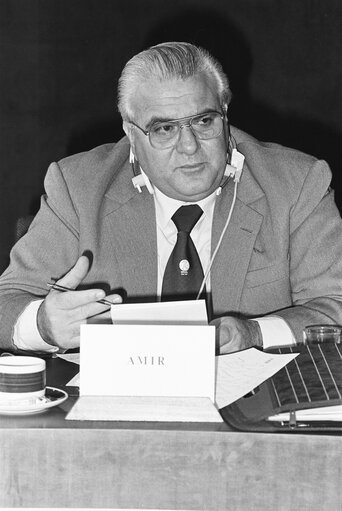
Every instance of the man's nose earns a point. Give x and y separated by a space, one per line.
187 141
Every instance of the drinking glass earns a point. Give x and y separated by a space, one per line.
318 334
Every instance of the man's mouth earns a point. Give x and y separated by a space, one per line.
192 167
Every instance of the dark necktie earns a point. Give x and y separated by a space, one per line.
183 273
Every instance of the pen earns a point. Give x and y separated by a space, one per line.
58 287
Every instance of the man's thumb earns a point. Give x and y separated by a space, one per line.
77 273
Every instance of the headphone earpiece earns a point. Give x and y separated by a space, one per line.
234 168
141 180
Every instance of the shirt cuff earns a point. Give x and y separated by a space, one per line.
275 332
26 335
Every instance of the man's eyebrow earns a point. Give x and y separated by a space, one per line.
156 119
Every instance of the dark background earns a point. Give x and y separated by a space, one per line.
60 61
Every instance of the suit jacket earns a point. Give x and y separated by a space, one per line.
281 253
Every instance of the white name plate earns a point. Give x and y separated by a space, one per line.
147 360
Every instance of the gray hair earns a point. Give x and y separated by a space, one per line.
167 61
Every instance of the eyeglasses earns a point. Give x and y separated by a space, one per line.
165 134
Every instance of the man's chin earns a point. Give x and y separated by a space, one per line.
194 194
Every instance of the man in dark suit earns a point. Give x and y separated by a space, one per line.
270 245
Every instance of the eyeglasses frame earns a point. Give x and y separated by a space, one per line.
183 124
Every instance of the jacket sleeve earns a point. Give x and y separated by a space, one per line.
315 255
47 251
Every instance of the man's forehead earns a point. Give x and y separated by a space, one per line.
174 97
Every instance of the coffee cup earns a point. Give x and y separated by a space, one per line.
22 379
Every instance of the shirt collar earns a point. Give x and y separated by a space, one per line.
166 206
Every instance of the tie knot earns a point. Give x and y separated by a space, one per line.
186 217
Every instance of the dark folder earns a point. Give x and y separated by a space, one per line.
312 381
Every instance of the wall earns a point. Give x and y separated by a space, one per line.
61 59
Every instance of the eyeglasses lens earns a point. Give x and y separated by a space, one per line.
205 126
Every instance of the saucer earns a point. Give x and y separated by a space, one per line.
53 397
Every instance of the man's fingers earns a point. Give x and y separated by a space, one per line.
89 309
221 333
104 316
84 304
72 300
114 298
235 334
77 273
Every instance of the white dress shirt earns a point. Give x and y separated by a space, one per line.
275 330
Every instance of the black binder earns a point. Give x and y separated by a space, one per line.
312 380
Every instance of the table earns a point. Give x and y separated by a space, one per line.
47 461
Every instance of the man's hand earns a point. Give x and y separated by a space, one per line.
61 314
233 334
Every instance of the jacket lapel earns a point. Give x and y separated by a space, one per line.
231 263
131 227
